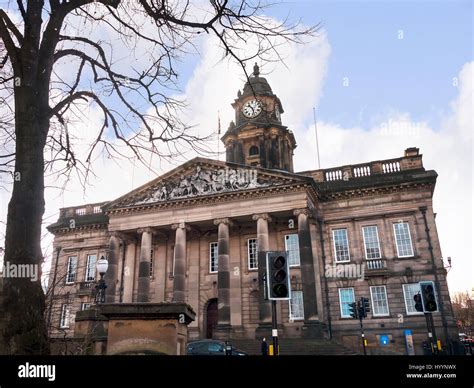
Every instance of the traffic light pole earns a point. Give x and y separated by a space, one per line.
423 210
362 334
275 328
274 318
435 337
431 333
279 287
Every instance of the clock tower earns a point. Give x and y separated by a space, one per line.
257 136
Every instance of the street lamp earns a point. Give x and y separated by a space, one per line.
449 265
102 266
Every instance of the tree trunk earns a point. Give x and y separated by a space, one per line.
24 301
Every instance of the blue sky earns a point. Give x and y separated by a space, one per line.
411 74
386 74
393 83
409 80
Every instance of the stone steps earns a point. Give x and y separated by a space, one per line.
296 346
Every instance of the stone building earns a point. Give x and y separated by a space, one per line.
198 234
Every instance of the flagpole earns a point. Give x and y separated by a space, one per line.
316 131
133 170
218 135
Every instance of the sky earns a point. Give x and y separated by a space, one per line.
396 56
383 76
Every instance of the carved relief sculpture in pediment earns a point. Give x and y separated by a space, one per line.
200 182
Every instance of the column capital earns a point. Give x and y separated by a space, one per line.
225 221
124 237
179 225
264 216
144 230
304 211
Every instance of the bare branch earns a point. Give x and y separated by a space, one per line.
11 26
9 44
21 8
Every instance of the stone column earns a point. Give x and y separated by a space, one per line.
159 264
265 307
144 266
223 277
129 272
235 269
193 284
179 280
311 326
111 276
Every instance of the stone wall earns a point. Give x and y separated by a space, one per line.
381 200
383 211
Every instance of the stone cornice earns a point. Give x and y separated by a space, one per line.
81 228
213 199
85 248
368 192
277 190
371 216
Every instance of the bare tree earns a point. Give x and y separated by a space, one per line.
138 107
463 309
62 291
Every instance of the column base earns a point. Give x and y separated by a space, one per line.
263 330
222 332
238 332
313 329
193 333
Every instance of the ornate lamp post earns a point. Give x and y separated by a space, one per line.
102 266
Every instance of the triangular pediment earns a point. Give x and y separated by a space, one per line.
204 177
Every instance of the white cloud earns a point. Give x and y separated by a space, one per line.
213 86
447 149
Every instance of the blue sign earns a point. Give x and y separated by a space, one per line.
384 340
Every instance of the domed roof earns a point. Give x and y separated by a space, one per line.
256 84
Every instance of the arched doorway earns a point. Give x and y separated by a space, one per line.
211 317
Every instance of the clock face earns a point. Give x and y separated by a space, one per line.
252 108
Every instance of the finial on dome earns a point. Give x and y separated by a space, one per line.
256 70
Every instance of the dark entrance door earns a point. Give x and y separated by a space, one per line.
211 317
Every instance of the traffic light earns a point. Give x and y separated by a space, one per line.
428 296
365 306
353 310
278 276
418 303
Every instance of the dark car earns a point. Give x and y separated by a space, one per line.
212 348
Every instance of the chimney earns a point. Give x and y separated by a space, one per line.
412 151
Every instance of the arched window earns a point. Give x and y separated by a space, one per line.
253 150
